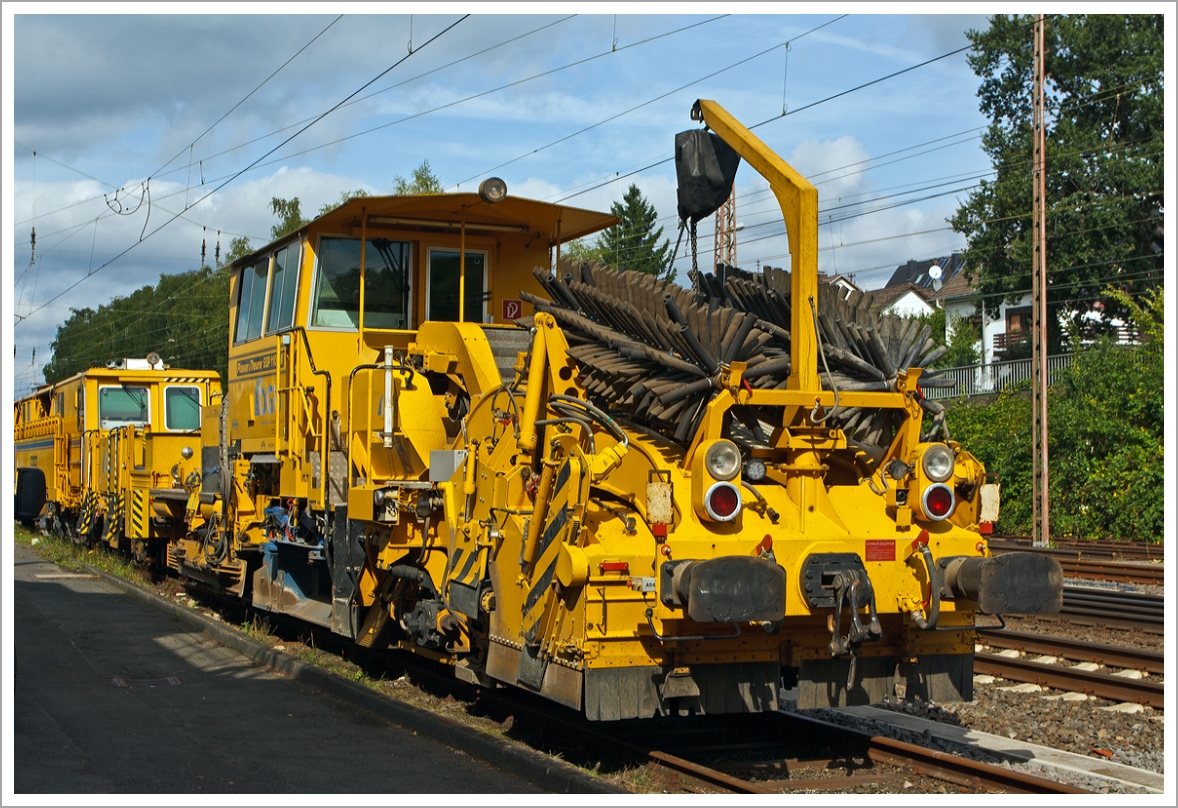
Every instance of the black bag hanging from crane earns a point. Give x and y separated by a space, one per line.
705 167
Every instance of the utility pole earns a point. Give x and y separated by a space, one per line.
1041 533
724 246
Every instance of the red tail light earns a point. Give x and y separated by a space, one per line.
938 501
722 501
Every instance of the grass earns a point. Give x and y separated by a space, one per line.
75 557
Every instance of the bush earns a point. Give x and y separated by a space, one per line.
1105 446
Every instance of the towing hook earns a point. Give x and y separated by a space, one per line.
854 588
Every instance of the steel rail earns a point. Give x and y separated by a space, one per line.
931 763
1075 650
1121 609
1101 685
881 750
1123 572
1082 548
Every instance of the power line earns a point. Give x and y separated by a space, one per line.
252 165
649 102
348 104
247 96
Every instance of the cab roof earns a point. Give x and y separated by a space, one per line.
449 211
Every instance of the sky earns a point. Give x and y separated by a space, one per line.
135 138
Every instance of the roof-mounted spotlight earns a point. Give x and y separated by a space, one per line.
493 190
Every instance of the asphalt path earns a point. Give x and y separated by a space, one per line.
114 696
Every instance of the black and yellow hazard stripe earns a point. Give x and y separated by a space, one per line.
138 526
555 526
86 520
468 571
114 519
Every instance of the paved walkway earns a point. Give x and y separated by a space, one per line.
114 696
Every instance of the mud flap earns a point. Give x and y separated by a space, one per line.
612 694
823 682
347 563
531 668
30 493
939 678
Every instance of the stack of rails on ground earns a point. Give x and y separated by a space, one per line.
636 500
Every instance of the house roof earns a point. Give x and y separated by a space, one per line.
916 272
957 286
844 279
882 298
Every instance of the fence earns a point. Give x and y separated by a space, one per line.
980 380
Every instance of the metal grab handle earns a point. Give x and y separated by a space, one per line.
661 638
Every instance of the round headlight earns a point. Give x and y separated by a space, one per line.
493 190
186 453
722 460
937 462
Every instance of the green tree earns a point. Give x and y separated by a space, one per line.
424 181
579 250
290 218
1105 450
344 198
1105 167
238 247
184 318
633 243
961 343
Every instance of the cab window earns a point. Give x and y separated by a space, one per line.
444 271
119 406
386 285
282 288
182 408
251 304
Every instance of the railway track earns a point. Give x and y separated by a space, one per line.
1104 563
1061 677
847 746
1119 571
684 757
1083 548
1111 561
1075 650
1130 611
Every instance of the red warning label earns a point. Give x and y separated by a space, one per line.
881 550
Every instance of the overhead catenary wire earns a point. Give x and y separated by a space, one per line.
348 104
247 96
258 160
648 102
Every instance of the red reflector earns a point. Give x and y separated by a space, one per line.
659 530
724 501
938 501
986 528
614 566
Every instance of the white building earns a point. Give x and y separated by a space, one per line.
909 300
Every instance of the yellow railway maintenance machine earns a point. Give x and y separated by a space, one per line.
398 460
106 455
